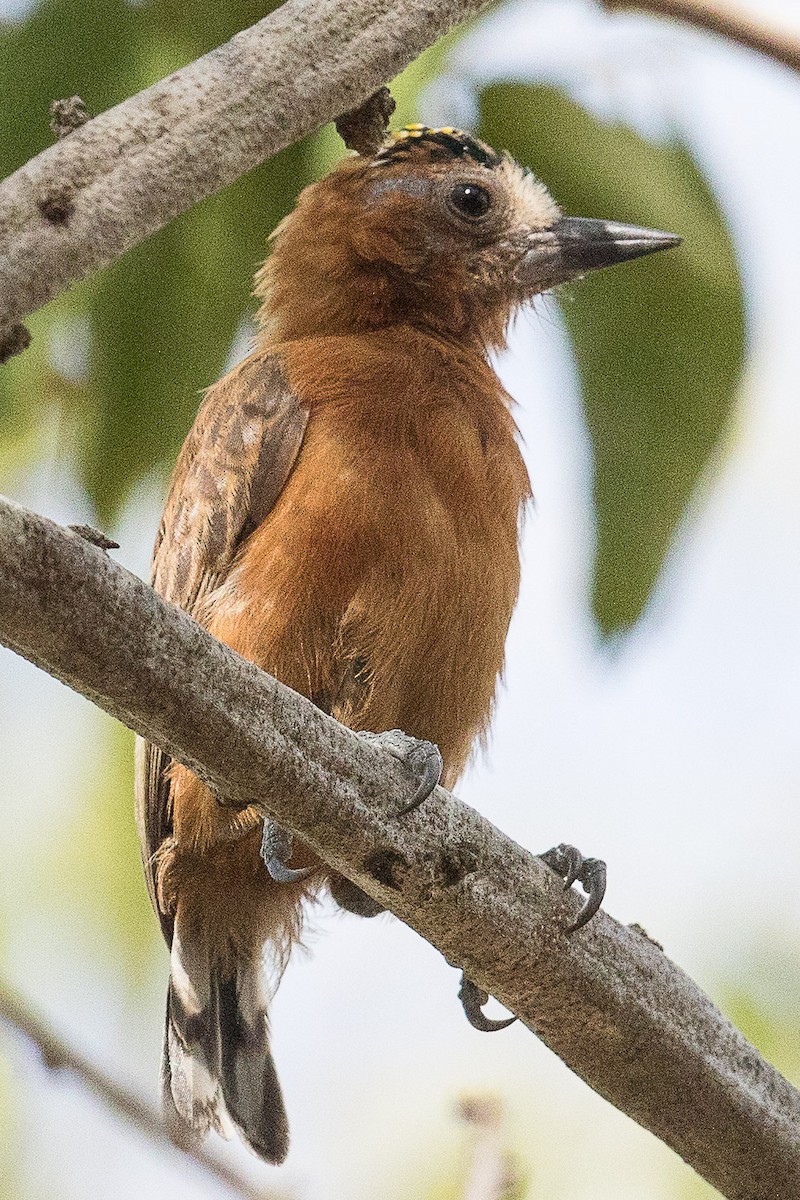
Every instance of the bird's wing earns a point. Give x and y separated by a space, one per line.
233 467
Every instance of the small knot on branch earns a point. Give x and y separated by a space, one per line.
67 115
94 536
14 341
637 928
364 129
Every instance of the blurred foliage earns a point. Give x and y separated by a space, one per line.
9 1141
117 364
771 1027
97 862
659 342
761 1001
158 325
122 357
160 322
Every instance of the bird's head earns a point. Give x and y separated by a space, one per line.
437 230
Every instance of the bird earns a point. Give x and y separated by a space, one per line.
345 513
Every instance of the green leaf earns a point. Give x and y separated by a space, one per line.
62 48
408 86
659 343
204 24
163 321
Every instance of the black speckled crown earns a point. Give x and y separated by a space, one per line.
441 145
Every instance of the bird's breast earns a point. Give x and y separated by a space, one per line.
385 576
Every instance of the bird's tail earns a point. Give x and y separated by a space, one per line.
217 1068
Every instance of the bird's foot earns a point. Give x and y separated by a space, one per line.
276 850
590 873
421 758
472 1000
351 898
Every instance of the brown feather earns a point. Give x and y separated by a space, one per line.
360 543
233 466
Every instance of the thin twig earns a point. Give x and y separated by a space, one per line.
728 20
95 536
605 999
58 1055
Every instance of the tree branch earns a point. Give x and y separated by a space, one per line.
80 204
606 1000
718 16
85 201
57 1055
364 129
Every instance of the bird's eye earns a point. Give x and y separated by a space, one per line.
470 200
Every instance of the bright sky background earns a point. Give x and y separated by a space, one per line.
675 757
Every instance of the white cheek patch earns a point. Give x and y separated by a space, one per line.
529 195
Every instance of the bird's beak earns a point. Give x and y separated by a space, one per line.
575 245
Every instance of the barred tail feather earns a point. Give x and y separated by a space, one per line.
218 1071
250 1085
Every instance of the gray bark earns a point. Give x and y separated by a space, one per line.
606 999
105 187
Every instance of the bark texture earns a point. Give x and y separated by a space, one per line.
119 177
606 1000
83 202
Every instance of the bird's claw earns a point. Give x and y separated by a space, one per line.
421 757
472 1000
425 760
276 850
590 873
